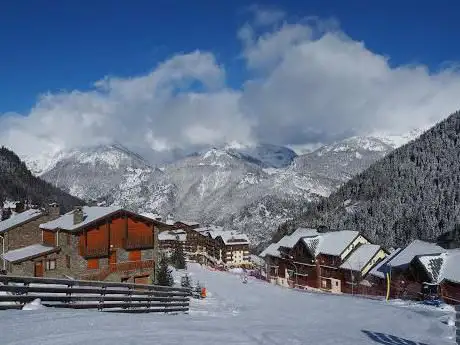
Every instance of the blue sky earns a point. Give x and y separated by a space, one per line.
54 45
179 74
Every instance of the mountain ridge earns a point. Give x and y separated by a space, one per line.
234 185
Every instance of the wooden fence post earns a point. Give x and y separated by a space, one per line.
155 254
457 324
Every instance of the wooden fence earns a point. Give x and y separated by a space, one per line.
82 294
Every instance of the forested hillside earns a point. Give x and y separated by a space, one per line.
17 183
414 192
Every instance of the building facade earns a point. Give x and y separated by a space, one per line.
100 243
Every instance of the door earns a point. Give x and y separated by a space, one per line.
113 258
134 255
38 272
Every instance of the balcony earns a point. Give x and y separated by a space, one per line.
126 267
96 252
138 243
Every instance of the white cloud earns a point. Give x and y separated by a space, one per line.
309 83
265 16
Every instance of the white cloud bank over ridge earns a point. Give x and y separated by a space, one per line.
311 83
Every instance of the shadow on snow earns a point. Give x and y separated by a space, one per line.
387 339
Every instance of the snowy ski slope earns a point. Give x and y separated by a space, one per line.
236 313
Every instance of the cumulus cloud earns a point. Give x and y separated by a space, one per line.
307 83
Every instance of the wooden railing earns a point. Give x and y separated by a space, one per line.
126 266
145 242
81 294
89 253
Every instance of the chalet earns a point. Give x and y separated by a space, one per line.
169 240
358 264
312 258
92 243
441 270
405 274
233 248
278 261
21 229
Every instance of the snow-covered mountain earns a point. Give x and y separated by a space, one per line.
250 188
342 160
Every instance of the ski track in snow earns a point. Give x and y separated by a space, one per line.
235 313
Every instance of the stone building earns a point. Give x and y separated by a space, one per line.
100 243
21 229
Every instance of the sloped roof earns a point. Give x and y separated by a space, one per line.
444 266
172 236
313 244
212 229
287 241
382 267
416 248
451 267
335 242
271 250
360 257
32 251
433 264
232 238
19 218
90 214
189 223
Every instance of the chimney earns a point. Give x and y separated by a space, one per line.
78 215
54 210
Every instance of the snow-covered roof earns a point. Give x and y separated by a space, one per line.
287 241
382 267
444 266
292 239
335 242
28 252
450 269
256 259
170 221
232 238
90 214
414 249
189 223
153 216
330 243
360 257
19 218
172 236
271 250
210 229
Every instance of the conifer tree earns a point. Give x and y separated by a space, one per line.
178 258
164 276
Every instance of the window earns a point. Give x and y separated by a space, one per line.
93 264
50 265
67 261
68 239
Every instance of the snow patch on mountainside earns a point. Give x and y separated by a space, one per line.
252 188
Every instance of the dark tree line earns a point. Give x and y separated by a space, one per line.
18 183
412 193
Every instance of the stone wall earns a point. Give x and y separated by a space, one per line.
26 234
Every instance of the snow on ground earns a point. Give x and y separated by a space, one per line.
236 313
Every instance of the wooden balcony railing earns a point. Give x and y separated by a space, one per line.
138 243
125 267
89 253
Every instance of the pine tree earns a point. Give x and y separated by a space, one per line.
178 257
164 276
186 281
